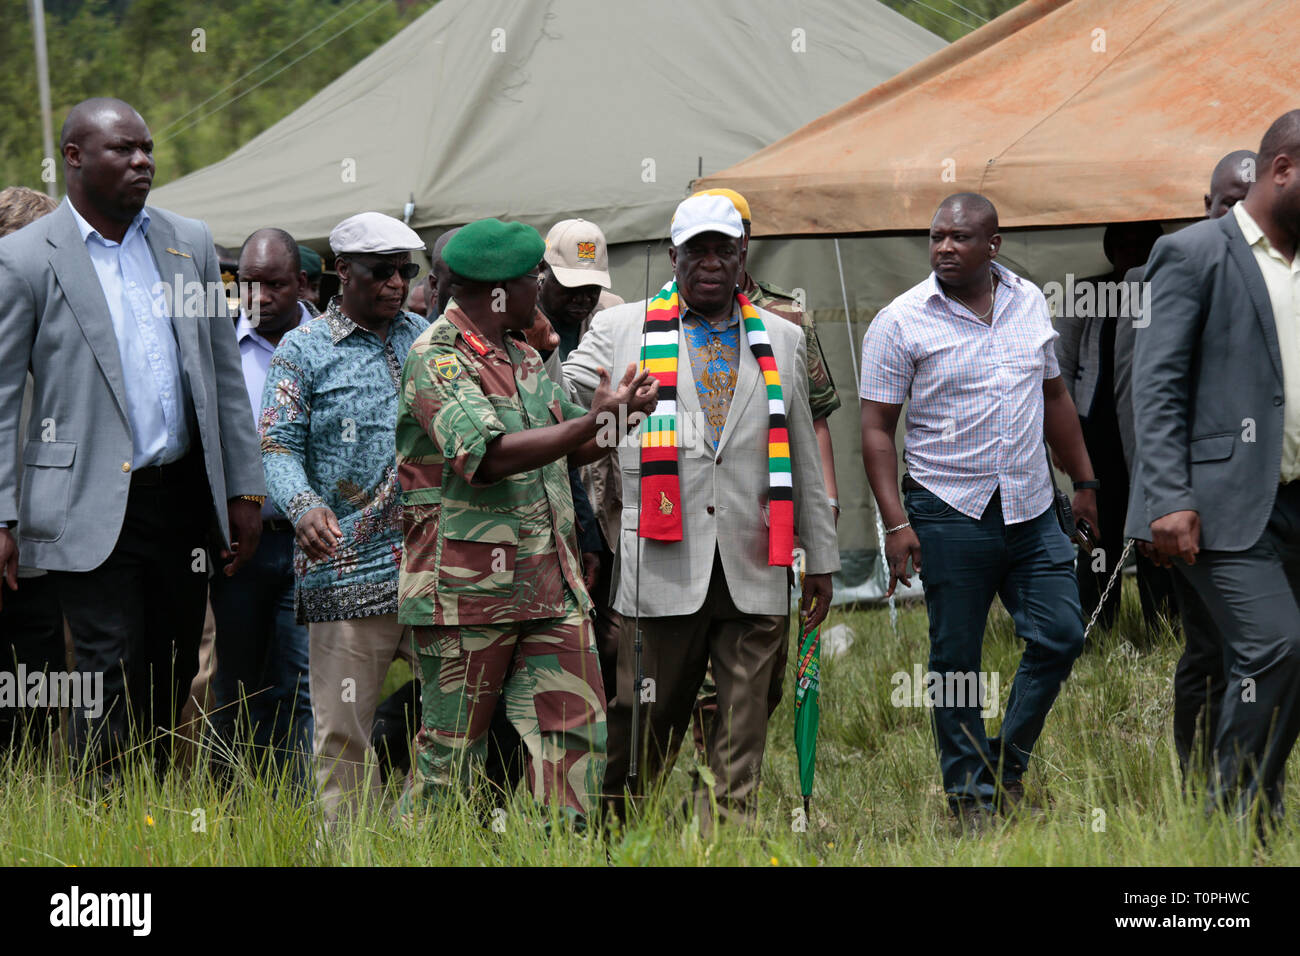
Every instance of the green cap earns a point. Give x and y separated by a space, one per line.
311 263
490 250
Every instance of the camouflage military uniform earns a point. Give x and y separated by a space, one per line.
490 579
821 389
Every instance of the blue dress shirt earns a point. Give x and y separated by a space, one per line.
157 398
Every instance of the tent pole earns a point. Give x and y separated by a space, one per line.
43 90
882 565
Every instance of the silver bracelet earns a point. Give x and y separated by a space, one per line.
834 503
905 524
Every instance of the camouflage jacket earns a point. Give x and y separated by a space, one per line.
478 553
821 389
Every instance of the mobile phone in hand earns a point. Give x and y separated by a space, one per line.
1084 535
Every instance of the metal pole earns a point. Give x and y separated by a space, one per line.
882 566
43 91
633 767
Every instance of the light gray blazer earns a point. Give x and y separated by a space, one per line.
724 494
1078 353
1125 337
1208 400
55 321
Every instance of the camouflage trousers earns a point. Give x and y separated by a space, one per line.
545 673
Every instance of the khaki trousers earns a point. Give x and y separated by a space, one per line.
349 660
746 651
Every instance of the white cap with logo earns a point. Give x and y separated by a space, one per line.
705 213
577 254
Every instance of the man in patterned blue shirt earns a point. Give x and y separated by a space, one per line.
329 413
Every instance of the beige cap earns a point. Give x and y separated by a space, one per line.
577 254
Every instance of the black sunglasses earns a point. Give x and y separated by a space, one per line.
383 271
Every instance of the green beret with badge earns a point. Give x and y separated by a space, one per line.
490 250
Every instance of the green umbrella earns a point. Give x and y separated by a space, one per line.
807 685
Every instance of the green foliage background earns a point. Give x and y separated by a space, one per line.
142 51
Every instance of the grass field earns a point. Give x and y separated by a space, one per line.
1104 767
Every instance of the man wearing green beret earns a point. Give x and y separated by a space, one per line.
490 580
311 264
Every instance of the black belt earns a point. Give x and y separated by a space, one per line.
277 524
911 484
173 473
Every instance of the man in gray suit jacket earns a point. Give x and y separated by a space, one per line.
712 595
139 443
1199 683
1216 408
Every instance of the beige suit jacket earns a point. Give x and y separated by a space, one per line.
724 493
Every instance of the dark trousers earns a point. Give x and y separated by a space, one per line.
1158 593
1199 681
745 649
137 619
609 623
1254 598
966 562
31 635
261 683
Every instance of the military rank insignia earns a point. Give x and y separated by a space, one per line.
586 250
448 366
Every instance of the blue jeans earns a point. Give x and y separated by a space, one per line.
965 562
262 655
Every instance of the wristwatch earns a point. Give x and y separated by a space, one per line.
1091 483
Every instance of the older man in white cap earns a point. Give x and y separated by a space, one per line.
329 413
728 466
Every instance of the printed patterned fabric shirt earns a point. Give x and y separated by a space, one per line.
329 410
975 390
822 398
715 357
478 553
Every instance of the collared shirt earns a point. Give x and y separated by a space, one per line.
480 553
974 391
715 356
329 410
157 398
822 399
1283 281
255 355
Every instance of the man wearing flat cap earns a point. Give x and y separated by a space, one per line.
329 410
726 468
491 583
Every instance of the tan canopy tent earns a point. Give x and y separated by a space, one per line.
1068 114
1062 112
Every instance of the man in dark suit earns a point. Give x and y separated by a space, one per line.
1199 683
1086 353
1216 408
140 441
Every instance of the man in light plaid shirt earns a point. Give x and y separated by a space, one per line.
971 347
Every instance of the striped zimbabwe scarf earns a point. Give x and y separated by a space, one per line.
661 494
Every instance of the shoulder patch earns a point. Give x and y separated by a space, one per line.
773 290
448 366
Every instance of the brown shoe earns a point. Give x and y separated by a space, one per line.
1011 800
972 819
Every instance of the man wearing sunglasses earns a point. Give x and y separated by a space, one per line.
329 412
